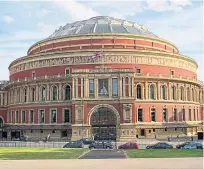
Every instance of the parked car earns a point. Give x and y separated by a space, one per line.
180 146
74 144
160 145
87 141
194 145
129 145
21 138
101 145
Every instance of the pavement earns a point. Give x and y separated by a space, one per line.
158 163
104 154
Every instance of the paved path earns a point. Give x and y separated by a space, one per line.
104 154
179 163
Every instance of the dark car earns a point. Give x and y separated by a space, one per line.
180 146
74 144
87 141
129 145
21 138
101 145
160 146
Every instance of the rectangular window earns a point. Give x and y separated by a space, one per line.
31 116
67 116
33 74
23 116
172 72
67 72
53 116
189 115
139 114
114 87
103 87
194 112
165 118
175 114
17 115
91 87
183 115
197 115
13 117
42 116
138 70
153 115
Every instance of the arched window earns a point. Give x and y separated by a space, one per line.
67 93
188 94
54 93
18 96
192 94
151 91
173 92
182 93
139 92
163 92
33 94
25 95
43 94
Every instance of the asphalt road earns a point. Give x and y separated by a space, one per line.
104 154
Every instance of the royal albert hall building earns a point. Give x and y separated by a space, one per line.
141 86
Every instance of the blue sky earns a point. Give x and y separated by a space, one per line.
24 23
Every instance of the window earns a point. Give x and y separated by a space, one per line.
165 118
13 117
151 90
138 70
91 87
139 115
173 92
23 116
33 94
115 87
31 116
103 87
139 92
194 112
152 43
67 93
175 114
43 94
188 94
67 72
25 95
53 116
153 115
18 96
183 115
54 93
67 116
33 74
165 46
197 115
182 94
42 116
189 115
163 92
17 115
172 72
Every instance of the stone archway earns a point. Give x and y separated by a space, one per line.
104 120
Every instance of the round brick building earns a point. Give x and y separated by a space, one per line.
139 87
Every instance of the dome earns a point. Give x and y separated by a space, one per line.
101 24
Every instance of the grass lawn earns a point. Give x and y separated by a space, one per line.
40 153
165 153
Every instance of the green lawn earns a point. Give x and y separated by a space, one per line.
40 153
165 153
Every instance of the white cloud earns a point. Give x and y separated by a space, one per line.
167 5
76 10
7 19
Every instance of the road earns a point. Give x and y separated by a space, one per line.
171 163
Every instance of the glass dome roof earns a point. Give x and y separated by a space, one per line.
101 24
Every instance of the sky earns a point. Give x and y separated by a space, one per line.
22 23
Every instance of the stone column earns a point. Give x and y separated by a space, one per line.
76 85
133 87
146 90
1 95
37 93
73 87
158 91
28 93
110 87
120 87
129 86
124 87
86 87
82 91
169 91
95 88
48 92
5 98
60 92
